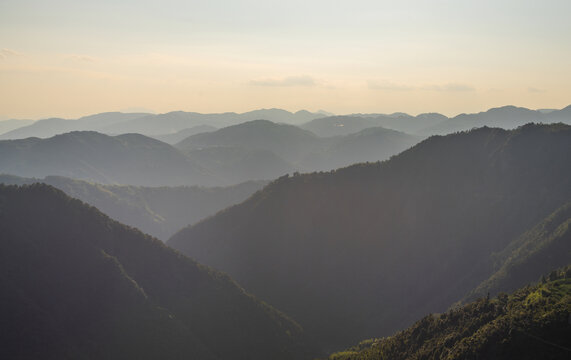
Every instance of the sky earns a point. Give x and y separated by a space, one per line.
62 58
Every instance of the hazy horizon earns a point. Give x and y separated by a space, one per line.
293 111
73 58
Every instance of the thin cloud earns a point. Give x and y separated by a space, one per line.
450 87
6 53
391 86
303 80
535 90
388 86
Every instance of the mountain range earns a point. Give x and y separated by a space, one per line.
365 250
159 125
166 126
507 117
255 150
287 148
387 223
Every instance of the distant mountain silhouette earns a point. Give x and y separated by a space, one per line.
50 127
179 120
366 250
9 125
158 211
349 124
114 123
124 159
506 117
76 284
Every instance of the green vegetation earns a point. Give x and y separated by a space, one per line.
531 323
78 285
368 249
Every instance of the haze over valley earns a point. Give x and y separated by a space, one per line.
253 180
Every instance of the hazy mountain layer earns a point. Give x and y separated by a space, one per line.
124 159
178 120
50 127
184 133
292 148
365 250
507 117
236 164
532 323
114 123
371 144
158 211
9 125
78 285
350 124
287 141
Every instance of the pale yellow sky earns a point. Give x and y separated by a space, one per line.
73 58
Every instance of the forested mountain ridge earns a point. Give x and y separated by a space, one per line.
546 245
367 249
157 211
78 285
530 323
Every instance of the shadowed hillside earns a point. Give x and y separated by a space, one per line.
78 285
365 250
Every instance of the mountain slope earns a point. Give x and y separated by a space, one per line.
124 159
158 211
531 323
237 164
76 284
365 250
544 247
